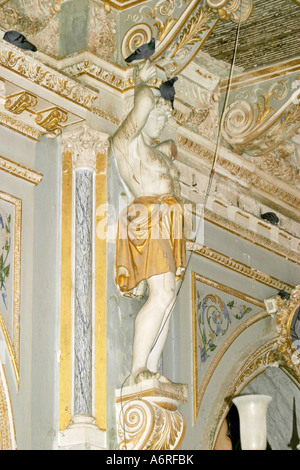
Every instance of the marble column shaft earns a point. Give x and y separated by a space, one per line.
84 144
83 292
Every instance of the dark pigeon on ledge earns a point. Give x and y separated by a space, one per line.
167 90
143 52
18 40
284 295
270 217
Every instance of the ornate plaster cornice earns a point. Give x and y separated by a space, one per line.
32 69
252 237
17 125
245 171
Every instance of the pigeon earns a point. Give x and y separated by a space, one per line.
143 52
270 217
167 90
18 40
283 294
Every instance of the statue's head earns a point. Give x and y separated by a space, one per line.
158 118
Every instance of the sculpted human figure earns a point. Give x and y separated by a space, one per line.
150 240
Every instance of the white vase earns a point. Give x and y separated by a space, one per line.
252 411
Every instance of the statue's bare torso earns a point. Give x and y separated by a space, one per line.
146 168
149 171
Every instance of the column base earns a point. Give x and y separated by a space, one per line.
82 434
147 416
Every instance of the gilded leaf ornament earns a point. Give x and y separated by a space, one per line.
192 33
277 92
164 8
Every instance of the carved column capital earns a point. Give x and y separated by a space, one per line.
84 143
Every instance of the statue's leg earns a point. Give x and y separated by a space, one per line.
150 319
157 348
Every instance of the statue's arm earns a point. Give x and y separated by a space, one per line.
144 102
168 148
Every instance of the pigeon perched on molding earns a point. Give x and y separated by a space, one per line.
270 217
18 40
283 294
143 52
167 90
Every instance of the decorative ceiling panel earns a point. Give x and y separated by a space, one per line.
270 35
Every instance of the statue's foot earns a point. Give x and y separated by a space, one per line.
145 374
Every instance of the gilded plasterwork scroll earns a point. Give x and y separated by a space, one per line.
258 122
288 327
180 30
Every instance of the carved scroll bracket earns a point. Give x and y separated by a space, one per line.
261 129
181 32
148 418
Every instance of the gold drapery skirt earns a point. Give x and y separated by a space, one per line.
150 240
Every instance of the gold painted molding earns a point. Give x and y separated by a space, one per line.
22 128
198 394
239 267
227 289
13 344
100 297
7 426
260 75
65 369
20 171
121 5
181 37
32 115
